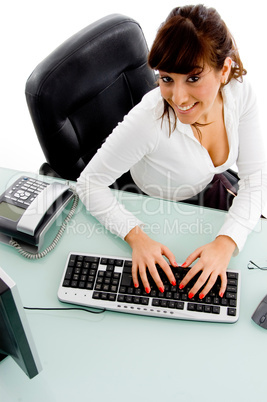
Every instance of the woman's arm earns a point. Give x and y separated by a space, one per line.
136 137
130 141
252 169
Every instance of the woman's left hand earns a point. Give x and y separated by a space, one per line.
213 261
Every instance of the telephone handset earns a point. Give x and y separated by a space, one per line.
28 208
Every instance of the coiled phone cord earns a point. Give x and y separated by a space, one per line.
36 256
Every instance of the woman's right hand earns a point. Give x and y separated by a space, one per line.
146 253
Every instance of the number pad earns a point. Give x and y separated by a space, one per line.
24 191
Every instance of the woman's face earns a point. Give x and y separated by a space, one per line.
195 97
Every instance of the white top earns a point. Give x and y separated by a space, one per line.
177 166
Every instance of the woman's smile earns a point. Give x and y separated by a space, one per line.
186 108
183 110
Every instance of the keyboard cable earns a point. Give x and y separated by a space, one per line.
65 308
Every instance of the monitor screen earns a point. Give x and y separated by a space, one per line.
15 335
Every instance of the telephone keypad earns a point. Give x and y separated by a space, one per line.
24 191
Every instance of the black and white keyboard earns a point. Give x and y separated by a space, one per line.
105 282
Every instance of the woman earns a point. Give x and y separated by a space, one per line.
199 122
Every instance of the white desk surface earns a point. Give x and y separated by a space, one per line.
121 357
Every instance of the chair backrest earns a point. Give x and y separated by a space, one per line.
79 93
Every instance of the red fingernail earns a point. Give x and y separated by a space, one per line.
181 286
191 295
175 264
135 285
147 290
201 296
221 294
184 264
161 290
173 283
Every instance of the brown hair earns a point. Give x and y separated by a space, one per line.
191 37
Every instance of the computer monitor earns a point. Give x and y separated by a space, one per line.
15 335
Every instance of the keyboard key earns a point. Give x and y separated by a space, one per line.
72 261
114 288
231 311
136 300
208 299
207 309
232 289
123 289
112 297
126 279
232 303
92 259
89 285
179 305
232 275
232 282
145 301
191 306
230 295
69 273
163 303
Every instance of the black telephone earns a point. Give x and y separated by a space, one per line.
29 207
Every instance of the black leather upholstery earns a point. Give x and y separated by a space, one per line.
78 94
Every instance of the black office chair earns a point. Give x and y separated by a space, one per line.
79 93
